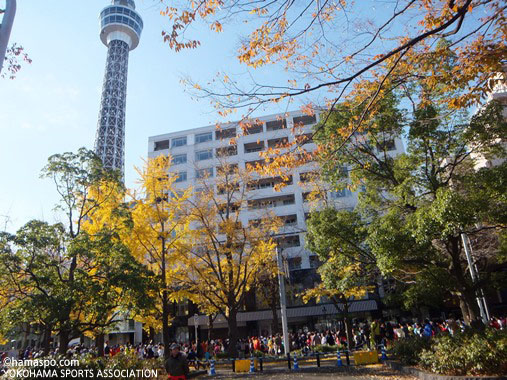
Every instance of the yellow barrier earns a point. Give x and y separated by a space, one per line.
365 357
244 365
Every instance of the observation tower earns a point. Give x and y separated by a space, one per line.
120 31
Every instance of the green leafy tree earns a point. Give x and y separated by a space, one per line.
418 204
349 268
70 279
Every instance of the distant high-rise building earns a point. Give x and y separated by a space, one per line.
120 31
199 152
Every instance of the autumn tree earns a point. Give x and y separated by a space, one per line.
159 229
333 51
225 253
121 285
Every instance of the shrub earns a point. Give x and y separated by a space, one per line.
258 354
222 355
469 353
408 351
325 348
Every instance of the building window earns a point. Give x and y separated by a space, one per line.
387 145
161 145
182 177
274 143
307 138
204 155
341 193
304 120
179 159
294 263
265 183
271 202
252 165
254 147
290 220
203 137
227 151
254 129
314 262
227 169
179 141
290 241
276 124
204 173
225 133
308 177
313 196
289 201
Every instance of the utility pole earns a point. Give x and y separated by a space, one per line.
5 29
481 300
283 301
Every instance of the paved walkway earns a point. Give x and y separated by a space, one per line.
371 372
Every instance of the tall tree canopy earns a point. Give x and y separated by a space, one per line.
417 204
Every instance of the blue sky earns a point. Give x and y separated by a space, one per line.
52 106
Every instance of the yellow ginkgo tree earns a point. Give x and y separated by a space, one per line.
117 280
159 229
225 254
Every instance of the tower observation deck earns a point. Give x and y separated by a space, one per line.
120 31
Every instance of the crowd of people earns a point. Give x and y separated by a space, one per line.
365 335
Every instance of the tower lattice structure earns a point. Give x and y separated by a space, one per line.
120 31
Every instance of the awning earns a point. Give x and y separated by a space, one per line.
294 312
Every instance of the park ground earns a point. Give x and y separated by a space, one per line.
369 372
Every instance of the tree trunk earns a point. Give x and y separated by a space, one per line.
46 342
99 343
232 324
64 338
165 324
165 302
348 327
26 335
468 306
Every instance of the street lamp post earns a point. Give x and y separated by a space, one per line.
481 300
195 325
283 301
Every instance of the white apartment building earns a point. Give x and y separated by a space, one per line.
195 151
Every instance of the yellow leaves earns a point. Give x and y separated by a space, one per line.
217 27
268 44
